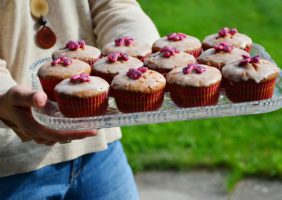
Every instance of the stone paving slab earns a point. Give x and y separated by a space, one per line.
203 185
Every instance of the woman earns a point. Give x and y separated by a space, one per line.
33 165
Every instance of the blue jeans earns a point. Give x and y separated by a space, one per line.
104 175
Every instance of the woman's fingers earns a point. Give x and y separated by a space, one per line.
66 135
39 99
24 97
45 142
50 143
19 100
24 137
39 131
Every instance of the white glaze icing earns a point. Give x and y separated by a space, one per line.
210 56
104 66
85 53
238 40
137 49
60 71
149 82
189 43
205 79
157 61
95 86
256 72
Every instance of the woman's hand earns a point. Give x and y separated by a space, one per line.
15 111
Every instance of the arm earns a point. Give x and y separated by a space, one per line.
15 112
114 18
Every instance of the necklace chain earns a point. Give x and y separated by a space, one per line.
45 36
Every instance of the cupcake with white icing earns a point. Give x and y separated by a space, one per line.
138 90
79 50
51 73
231 36
115 63
167 59
250 79
220 55
129 45
194 85
82 96
181 42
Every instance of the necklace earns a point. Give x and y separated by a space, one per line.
45 37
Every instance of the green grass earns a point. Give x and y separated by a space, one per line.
246 145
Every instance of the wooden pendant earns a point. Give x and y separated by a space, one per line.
45 37
39 8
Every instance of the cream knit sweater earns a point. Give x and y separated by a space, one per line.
96 21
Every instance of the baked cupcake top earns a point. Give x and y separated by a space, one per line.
194 75
168 58
250 68
230 36
116 62
132 47
78 50
138 80
63 67
180 41
221 54
82 85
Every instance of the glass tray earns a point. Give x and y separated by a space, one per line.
51 117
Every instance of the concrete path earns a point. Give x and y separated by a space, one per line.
203 185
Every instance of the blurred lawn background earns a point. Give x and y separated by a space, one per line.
246 146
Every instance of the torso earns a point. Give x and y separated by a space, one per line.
18 29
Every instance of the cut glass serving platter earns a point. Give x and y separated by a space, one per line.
51 117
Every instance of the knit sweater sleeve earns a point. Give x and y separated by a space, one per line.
115 18
6 80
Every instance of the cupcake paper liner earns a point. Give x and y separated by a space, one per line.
48 86
128 102
248 48
218 66
82 107
90 61
105 76
142 58
194 96
196 53
249 90
160 70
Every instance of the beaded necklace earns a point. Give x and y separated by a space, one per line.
45 37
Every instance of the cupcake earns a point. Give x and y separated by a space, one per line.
167 59
51 73
79 50
231 37
82 96
138 90
181 42
221 55
250 79
132 47
194 85
113 64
